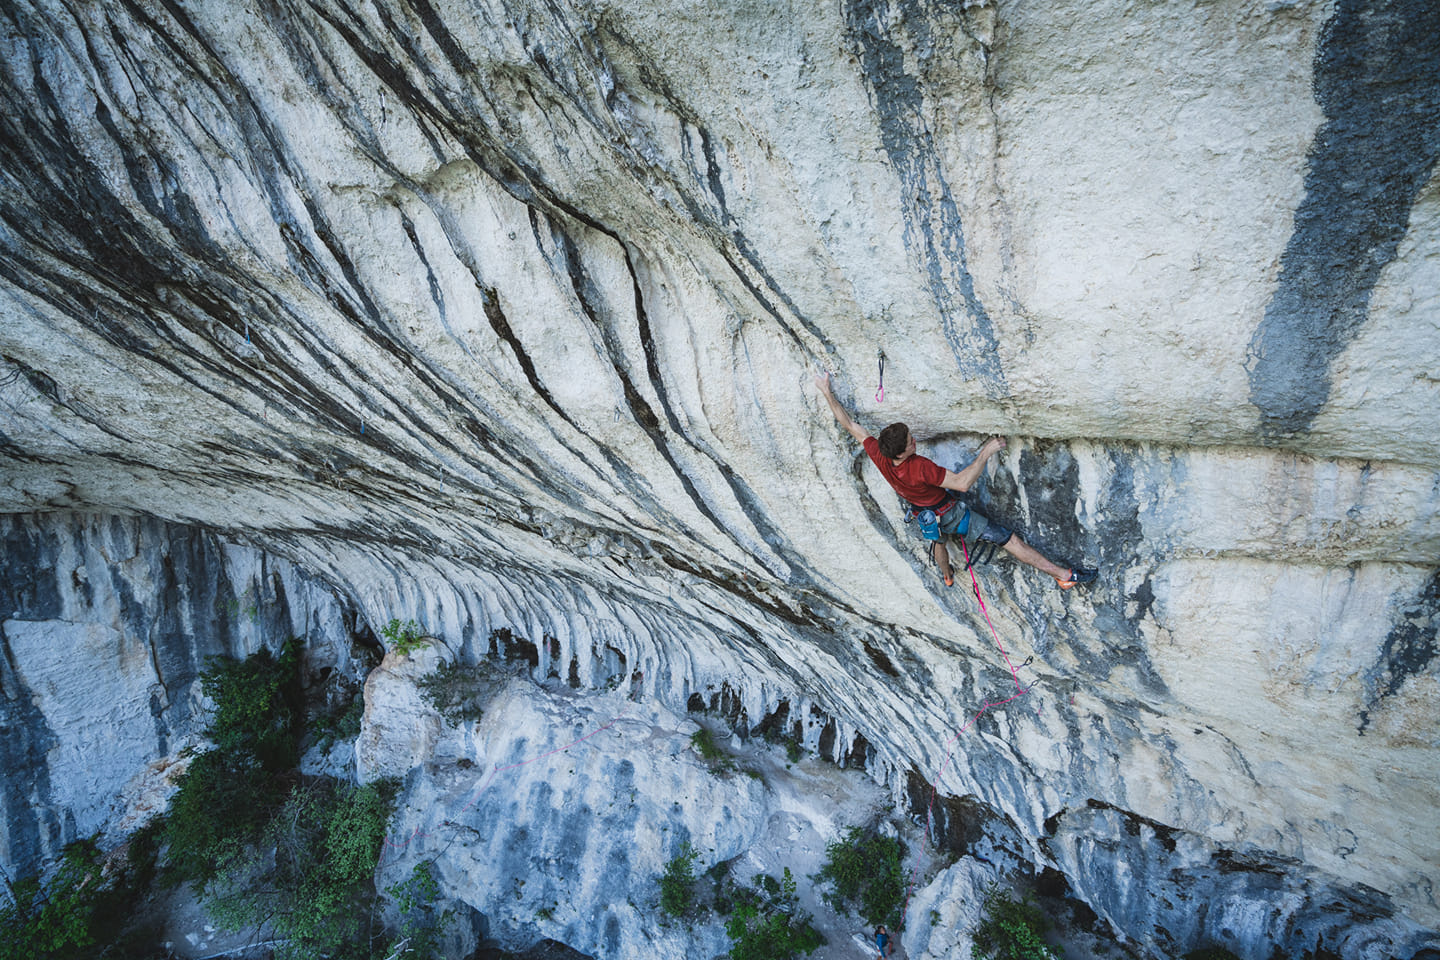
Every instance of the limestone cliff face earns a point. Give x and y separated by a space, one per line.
106 624
499 315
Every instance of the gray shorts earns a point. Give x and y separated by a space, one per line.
980 526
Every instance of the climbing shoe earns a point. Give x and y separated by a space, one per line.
1078 575
949 579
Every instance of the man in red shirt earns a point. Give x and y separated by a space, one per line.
926 486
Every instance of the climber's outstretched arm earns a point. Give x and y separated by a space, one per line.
966 478
822 380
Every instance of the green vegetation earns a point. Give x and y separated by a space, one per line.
403 638
793 750
341 725
457 690
704 743
87 908
866 874
767 922
227 794
257 703
677 884
59 921
262 843
311 877
420 925
1010 929
264 846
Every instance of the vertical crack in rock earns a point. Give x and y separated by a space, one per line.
930 208
1377 78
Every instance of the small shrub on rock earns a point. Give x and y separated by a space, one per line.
458 691
1010 929
704 743
867 877
768 924
265 845
677 883
404 638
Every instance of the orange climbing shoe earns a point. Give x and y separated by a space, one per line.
1077 575
949 579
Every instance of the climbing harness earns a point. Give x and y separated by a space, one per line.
984 553
880 391
929 517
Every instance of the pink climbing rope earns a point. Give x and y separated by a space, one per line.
951 743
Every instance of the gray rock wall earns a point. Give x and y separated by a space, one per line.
503 316
106 623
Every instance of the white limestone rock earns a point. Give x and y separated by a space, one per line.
506 317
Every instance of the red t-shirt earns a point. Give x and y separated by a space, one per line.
917 479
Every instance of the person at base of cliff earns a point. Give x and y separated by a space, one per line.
926 486
883 943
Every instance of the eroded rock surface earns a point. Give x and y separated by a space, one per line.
106 623
500 316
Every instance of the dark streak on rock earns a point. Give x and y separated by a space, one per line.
1377 77
933 229
1409 650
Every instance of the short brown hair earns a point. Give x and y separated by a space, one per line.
893 439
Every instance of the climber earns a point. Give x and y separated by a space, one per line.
927 486
883 943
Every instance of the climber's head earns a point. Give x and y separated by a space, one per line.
896 442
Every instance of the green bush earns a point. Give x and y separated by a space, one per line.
767 923
219 812
228 794
263 844
57 920
1010 929
341 725
457 691
865 870
704 743
403 638
420 925
677 883
257 706
311 878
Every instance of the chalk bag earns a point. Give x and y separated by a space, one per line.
929 524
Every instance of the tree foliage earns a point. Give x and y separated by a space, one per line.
421 924
86 909
768 924
257 706
55 920
267 846
1010 929
865 870
677 883
404 638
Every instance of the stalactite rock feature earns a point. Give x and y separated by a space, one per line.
503 317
